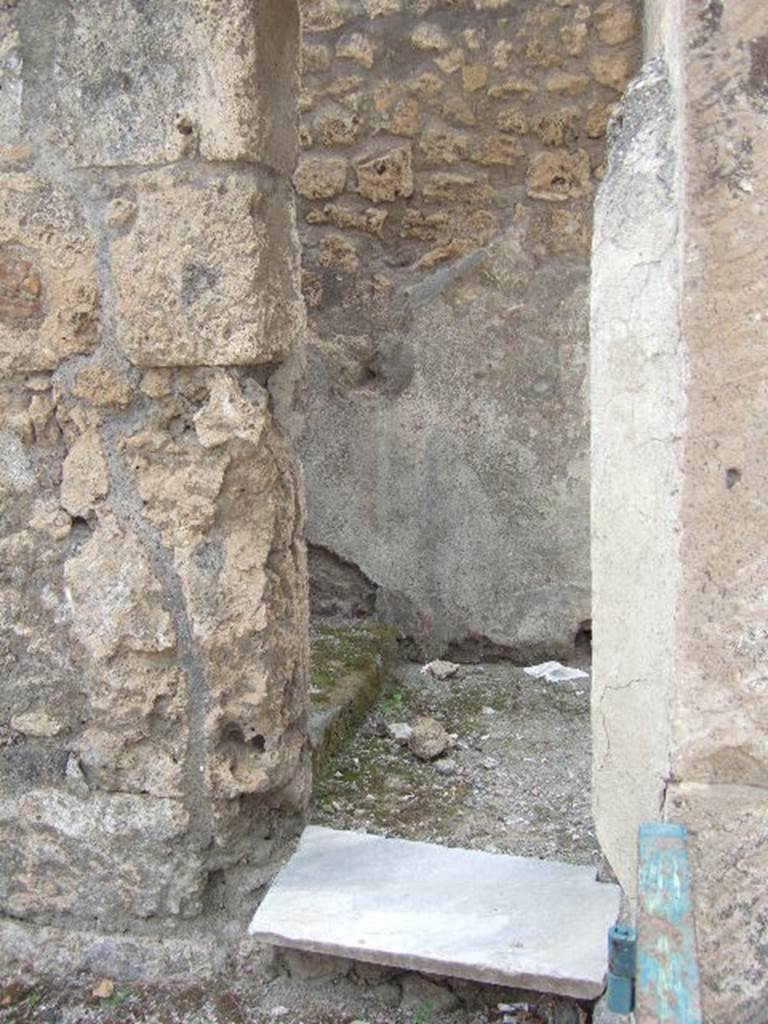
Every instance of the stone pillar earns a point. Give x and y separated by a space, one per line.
152 590
680 469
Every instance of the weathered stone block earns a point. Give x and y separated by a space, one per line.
315 57
102 857
323 15
452 188
336 127
405 118
320 177
369 220
597 119
574 39
567 84
498 149
101 386
115 599
385 178
474 77
336 251
381 8
358 48
427 85
226 505
137 733
443 147
430 37
84 479
539 54
48 288
512 119
559 175
512 87
211 88
613 70
556 129
197 275
37 723
616 22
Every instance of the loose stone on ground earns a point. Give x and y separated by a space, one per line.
517 781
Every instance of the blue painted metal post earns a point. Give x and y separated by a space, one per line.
622 955
667 973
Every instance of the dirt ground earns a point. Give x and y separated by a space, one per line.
304 991
516 782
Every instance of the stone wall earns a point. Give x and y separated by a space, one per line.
679 474
153 764
451 151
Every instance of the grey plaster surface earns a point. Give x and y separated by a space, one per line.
513 921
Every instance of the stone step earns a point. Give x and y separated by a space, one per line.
512 921
349 667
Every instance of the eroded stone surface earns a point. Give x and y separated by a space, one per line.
153 602
386 177
477 473
116 599
82 857
49 302
133 86
194 301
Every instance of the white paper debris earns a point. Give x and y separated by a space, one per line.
441 669
554 672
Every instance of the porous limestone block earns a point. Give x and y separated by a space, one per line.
613 70
115 599
320 177
728 846
387 176
199 274
137 732
84 479
48 289
10 83
616 22
324 15
135 84
226 503
125 640
559 175
107 855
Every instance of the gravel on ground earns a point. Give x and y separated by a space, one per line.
517 780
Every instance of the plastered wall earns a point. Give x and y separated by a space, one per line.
450 154
678 459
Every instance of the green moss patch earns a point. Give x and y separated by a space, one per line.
350 667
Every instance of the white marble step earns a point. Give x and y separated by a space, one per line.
514 921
